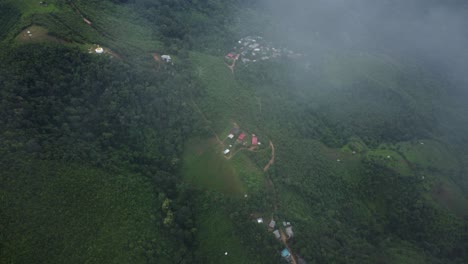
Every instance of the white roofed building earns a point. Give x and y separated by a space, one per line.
166 58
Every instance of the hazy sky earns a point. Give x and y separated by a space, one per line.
433 30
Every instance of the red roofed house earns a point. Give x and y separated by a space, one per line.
241 136
254 140
230 55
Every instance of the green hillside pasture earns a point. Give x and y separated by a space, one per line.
429 154
205 166
390 159
29 7
402 252
231 100
250 174
123 29
439 165
217 235
450 196
56 213
38 34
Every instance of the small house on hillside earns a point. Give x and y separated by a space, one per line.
272 224
166 58
260 220
277 234
289 231
286 255
241 136
226 151
231 136
254 140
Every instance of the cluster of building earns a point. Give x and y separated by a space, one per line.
289 233
254 48
240 137
276 232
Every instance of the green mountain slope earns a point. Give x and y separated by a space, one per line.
121 157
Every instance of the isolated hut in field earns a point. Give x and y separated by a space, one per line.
226 151
277 234
241 136
260 220
99 50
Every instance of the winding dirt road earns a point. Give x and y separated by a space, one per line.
284 238
272 160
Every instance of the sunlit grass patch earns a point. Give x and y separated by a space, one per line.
206 167
29 7
36 33
217 236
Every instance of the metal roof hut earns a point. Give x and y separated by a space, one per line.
272 224
99 50
289 231
277 234
254 140
285 254
166 58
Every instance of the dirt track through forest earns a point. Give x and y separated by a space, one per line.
233 65
284 238
272 160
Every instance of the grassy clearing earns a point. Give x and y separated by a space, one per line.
56 213
205 166
217 236
429 154
124 30
231 100
250 174
390 159
450 196
29 7
38 34
403 253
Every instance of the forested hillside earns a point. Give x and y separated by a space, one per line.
158 131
